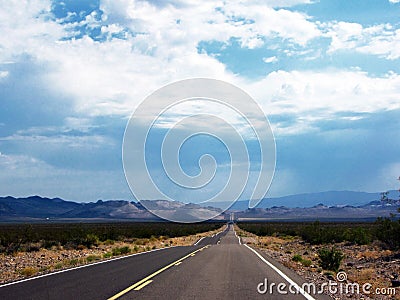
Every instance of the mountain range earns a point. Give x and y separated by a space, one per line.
330 198
327 205
39 208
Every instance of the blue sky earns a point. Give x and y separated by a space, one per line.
326 73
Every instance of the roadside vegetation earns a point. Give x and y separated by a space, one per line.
33 237
384 230
33 249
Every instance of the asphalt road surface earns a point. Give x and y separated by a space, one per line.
217 267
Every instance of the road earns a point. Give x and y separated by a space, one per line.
217 267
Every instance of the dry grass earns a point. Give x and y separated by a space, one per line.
28 271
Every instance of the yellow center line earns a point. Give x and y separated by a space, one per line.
137 284
177 264
143 285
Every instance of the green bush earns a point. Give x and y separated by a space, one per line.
116 251
297 258
73 262
90 240
306 262
330 259
359 236
388 231
91 258
125 250
58 266
121 250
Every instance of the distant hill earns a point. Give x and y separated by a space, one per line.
367 212
331 198
37 208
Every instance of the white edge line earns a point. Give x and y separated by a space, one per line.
198 241
301 290
82 266
240 242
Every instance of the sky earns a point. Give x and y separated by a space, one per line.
326 73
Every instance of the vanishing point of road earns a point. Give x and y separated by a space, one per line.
217 267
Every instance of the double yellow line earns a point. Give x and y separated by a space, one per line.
145 281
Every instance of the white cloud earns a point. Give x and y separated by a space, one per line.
119 73
3 74
323 94
271 59
111 77
344 35
286 3
394 1
24 27
10 163
382 40
386 45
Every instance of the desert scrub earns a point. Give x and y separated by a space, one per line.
92 258
318 233
73 262
28 271
109 242
58 266
330 259
300 259
306 262
14 238
121 250
297 258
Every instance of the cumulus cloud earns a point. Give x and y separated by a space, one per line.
159 45
382 40
330 91
26 26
